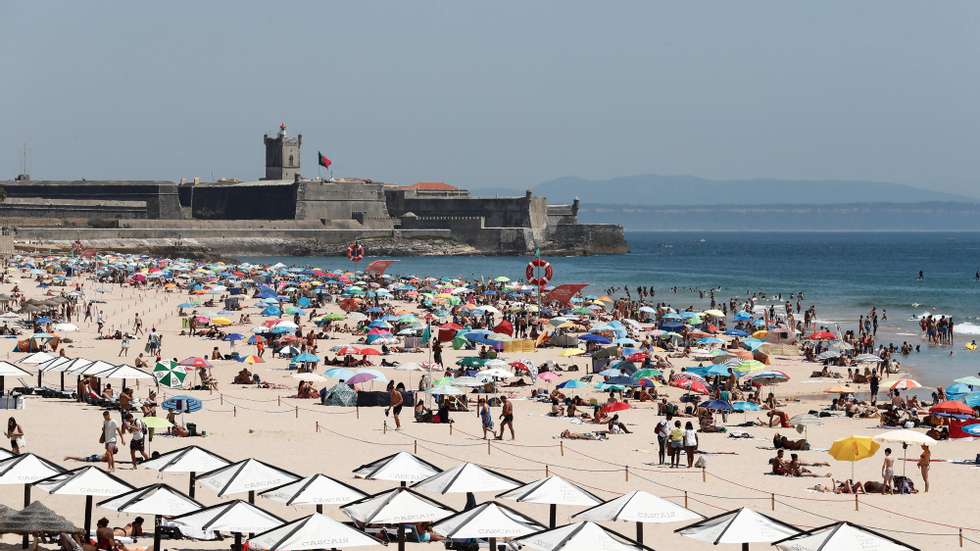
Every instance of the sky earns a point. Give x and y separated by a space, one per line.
495 94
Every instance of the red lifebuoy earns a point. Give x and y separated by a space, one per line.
531 272
355 252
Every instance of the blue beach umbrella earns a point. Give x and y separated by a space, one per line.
232 337
595 338
717 405
745 406
182 404
574 383
339 373
973 429
306 357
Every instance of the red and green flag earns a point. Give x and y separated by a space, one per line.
324 161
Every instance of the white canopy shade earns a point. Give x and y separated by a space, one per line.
249 475
192 459
5 454
489 520
905 436
400 467
841 536
553 490
62 364
467 477
37 358
234 516
313 532
125 372
85 481
408 366
155 499
8 369
396 506
739 526
638 506
94 368
318 489
27 469
580 536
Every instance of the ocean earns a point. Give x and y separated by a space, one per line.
843 273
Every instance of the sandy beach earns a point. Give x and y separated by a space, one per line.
305 437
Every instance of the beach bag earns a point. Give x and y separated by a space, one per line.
903 485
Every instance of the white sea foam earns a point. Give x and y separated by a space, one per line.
967 328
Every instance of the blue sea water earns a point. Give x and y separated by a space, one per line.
843 274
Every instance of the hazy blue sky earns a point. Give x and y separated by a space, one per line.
504 93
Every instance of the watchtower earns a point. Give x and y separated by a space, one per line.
282 155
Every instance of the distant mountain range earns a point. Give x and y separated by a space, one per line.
658 190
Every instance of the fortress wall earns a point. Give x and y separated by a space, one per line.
160 196
472 230
253 202
497 211
589 239
79 209
340 201
334 236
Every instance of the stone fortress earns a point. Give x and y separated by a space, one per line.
285 213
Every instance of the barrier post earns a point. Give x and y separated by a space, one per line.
297 411
384 425
234 411
488 447
685 499
627 473
318 425
561 444
221 399
855 502
357 412
415 448
278 400
450 429
704 474
546 473
772 502
961 537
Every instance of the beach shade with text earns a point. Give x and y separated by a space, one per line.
741 526
318 490
37 358
237 517
27 469
553 491
309 533
397 506
85 481
579 536
95 368
156 500
491 520
35 519
192 459
125 373
248 475
401 467
467 477
639 507
853 449
5 454
841 536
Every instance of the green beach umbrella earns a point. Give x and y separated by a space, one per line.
647 373
168 373
501 279
749 366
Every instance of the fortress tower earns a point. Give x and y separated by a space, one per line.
282 155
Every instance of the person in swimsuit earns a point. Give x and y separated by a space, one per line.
486 419
15 434
396 400
923 464
888 470
507 418
104 538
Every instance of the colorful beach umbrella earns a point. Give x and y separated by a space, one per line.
169 373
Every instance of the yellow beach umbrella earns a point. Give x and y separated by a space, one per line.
853 448
760 334
572 352
714 313
156 422
220 321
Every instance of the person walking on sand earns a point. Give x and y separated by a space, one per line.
924 459
888 470
486 419
124 346
395 402
111 433
137 429
137 325
507 418
15 434
663 433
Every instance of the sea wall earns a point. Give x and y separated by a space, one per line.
578 239
473 230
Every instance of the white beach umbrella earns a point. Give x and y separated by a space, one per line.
192 459
401 467
61 364
65 327
126 372
156 500
37 358
579 536
85 481
639 507
408 366
467 477
741 526
313 532
489 520
27 469
841 536
5 454
95 368
237 517
907 438
553 491
248 475
8 369
318 490
397 506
